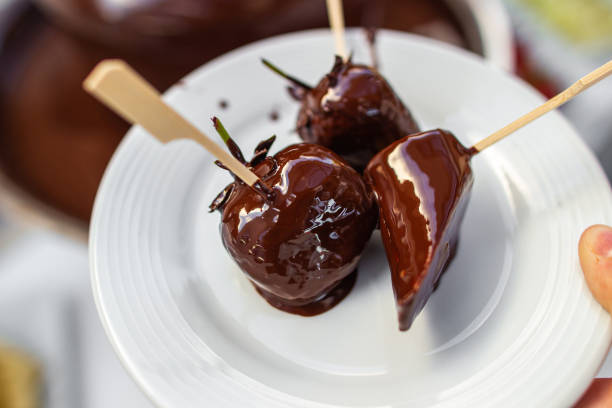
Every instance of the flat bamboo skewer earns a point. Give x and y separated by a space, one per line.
122 89
336 23
579 86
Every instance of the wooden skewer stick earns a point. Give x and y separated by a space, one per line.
579 86
336 22
122 89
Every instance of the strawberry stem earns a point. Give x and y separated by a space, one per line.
229 142
292 79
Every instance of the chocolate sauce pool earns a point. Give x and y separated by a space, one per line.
327 301
55 140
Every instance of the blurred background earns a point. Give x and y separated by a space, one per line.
55 140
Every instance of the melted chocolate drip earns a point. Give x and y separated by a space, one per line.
422 184
354 112
299 247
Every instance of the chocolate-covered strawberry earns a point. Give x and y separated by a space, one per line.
301 243
422 184
353 111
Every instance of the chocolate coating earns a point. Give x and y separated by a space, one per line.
298 246
422 184
354 112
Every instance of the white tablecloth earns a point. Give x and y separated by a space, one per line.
46 307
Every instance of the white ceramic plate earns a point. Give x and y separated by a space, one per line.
512 323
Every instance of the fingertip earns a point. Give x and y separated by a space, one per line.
595 252
599 238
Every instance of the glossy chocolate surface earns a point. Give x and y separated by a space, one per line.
422 184
300 245
354 112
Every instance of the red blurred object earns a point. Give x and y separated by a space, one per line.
526 70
